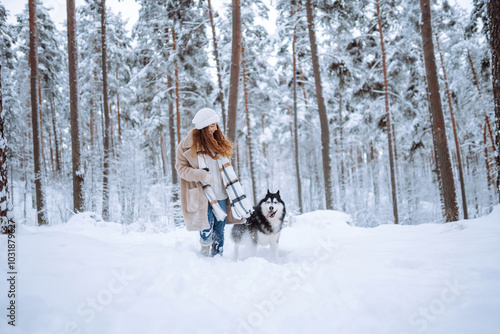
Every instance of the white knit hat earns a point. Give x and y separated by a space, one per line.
204 117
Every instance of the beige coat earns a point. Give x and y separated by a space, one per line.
194 202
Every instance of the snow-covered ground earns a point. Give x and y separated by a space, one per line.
87 276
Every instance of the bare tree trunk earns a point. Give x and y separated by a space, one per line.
93 109
455 134
494 30
238 158
78 205
177 93
235 72
374 171
40 108
171 128
111 133
217 62
163 152
295 120
56 140
107 123
249 128
40 200
118 116
341 160
447 187
488 162
5 203
396 162
51 151
388 122
93 135
325 131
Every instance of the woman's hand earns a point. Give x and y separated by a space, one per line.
207 177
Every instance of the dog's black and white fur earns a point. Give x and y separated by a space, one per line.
264 224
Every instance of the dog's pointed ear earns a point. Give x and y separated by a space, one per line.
278 193
268 192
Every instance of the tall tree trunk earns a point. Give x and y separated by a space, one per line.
51 151
325 131
217 62
177 93
93 134
455 134
93 109
40 200
107 122
249 127
295 120
235 72
374 172
340 153
388 121
78 205
171 127
494 29
111 134
118 116
163 152
40 109
56 140
488 162
5 203
447 186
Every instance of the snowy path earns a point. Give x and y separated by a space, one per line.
88 277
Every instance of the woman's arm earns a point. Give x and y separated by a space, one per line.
187 172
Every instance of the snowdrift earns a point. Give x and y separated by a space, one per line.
87 276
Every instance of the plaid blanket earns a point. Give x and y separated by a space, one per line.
240 204
209 192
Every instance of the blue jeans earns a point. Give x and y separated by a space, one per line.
215 234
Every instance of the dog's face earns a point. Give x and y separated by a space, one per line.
271 204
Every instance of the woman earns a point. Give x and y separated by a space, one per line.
198 165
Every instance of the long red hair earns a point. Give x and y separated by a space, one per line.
212 145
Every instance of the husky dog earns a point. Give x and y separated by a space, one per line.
264 224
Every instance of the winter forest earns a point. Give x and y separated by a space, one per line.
380 109
377 120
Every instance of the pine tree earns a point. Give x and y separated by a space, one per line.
295 112
5 58
40 201
217 63
443 165
75 126
235 72
5 204
388 121
494 37
107 122
325 131
455 134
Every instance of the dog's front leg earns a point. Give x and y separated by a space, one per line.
254 249
236 248
274 249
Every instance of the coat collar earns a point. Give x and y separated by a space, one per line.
186 144
188 141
